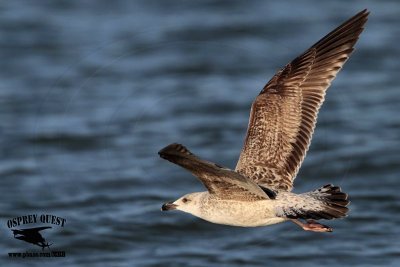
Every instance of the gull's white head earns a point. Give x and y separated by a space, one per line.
189 203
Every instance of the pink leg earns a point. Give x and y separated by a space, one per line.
313 226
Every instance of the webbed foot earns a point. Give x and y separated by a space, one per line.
313 226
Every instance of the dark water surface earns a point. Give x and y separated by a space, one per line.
91 90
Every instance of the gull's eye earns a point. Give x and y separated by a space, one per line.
185 200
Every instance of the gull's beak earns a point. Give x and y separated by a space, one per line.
168 206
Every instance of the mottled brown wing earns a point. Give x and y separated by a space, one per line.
283 116
223 182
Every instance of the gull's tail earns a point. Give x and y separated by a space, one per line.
327 202
334 202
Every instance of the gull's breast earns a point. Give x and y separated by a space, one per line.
240 213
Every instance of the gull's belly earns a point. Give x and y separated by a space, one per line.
237 213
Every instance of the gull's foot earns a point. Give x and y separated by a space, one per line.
313 226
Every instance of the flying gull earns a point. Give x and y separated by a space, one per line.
281 124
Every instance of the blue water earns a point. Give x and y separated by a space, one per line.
91 90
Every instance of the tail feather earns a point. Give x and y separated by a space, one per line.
327 202
333 202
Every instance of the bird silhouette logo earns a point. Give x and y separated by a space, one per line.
32 235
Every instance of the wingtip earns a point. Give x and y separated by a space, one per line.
366 11
164 150
360 16
363 14
174 148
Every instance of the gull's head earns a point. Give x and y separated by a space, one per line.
189 203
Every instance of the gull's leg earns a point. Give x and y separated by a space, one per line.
313 226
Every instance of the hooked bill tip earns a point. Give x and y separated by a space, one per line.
168 206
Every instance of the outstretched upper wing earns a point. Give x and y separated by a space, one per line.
223 182
283 116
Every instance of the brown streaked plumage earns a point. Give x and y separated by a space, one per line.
223 182
281 124
283 116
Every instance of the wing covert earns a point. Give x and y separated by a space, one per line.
223 182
